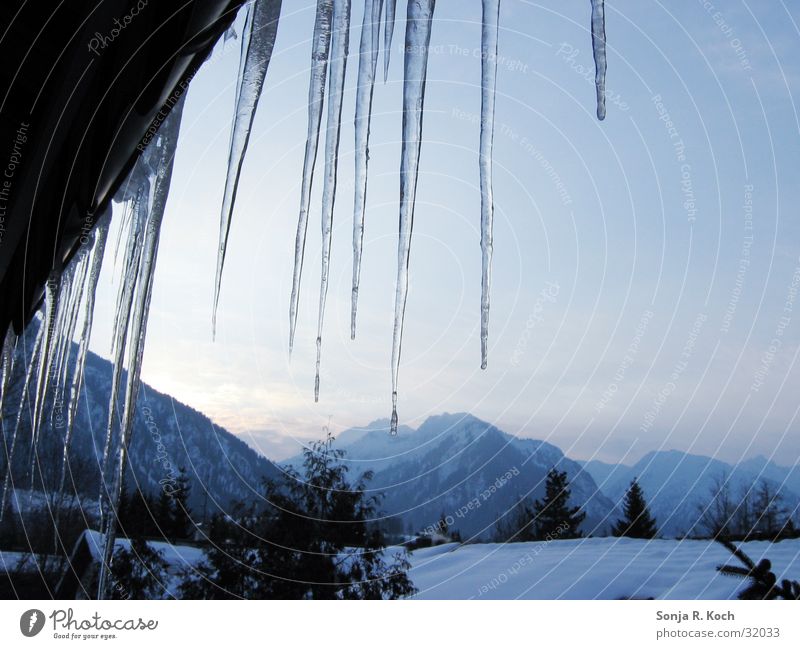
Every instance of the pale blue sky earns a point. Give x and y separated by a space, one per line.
579 265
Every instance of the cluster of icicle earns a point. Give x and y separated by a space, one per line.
69 307
145 196
329 51
52 376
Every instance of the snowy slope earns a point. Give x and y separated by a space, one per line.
167 435
589 569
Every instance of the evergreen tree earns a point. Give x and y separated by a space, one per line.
172 514
638 523
136 515
311 540
181 524
138 572
553 518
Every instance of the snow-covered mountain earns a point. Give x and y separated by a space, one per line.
677 485
167 435
461 467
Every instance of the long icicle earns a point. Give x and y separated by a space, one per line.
168 139
52 290
388 32
98 251
125 296
418 38
8 363
340 43
29 374
78 271
489 38
367 65
258 41
9 356
599 51
320 50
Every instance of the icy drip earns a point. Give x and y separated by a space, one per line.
9 361
71 307
388 31
418 37
489 34
367 65
338 65
50 323
167 143
29 376
316 97
261 27
125 296
9 349
599 50
94 266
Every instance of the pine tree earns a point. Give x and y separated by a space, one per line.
138 572
638 523
310 539
553 517
181 523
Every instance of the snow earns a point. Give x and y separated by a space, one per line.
175 555
596 568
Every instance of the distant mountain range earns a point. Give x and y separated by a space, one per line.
453 465
677 485
465 470
453 460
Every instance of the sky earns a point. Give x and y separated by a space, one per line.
646 268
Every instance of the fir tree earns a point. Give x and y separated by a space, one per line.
138 572
310 540
172 514
181 524
553 518
638 523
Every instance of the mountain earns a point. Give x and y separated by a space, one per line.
678 485
455 465
167 435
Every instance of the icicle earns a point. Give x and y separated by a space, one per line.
51 333
98 250
339 50
388 31
367 64
167 143
77 279
8 360
489 33
316 96
418 38
125 295
599 50
29 374
8 363
65 313
261 27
